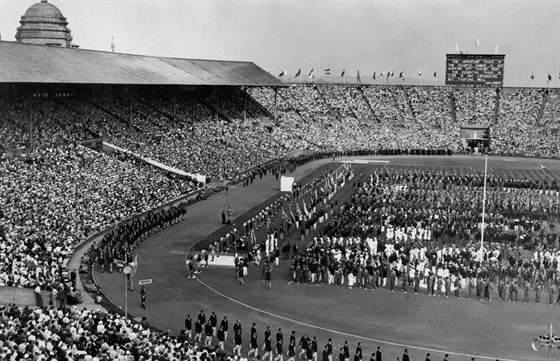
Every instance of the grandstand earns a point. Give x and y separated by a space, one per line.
107 156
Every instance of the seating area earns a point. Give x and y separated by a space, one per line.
54 198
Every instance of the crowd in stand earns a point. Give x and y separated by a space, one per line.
314 117
64 334
423 229
52 199
220 150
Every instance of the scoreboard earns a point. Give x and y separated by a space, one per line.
474 69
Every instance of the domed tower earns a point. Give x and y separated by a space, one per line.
44 24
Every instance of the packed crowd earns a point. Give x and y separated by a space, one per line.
71 334
52 199
220 150
315 117
362 117
423 228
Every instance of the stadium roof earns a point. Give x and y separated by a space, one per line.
28 63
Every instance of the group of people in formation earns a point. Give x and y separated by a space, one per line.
213 334
400 228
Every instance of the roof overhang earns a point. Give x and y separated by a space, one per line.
29 63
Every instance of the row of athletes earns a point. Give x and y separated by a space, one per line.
308 346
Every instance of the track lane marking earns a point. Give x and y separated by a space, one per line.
349 334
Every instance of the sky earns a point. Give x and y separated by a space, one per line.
376 35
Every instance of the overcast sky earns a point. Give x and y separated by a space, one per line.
407 36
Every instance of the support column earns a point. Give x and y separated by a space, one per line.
275 100
174 108
30 104
217 105
244 105
129 110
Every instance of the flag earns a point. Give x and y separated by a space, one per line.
496 50
328 71
343 73
532 76
392 73
282 73
420 73
311 73
112 45
358 76
284 215
457 47
305 208
381 75
373 75
435 74
549 77
298 73
545 168
135 267
401 74
477 42
388 74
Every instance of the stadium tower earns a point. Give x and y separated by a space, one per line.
44 24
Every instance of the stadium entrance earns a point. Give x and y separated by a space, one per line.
475 138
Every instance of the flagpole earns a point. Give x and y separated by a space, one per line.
484 202
125 289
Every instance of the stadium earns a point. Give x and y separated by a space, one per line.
164 207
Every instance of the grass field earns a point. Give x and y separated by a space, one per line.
463 328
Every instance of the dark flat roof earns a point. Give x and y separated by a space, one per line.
29 63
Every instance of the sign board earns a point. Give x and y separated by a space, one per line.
145 282
286 184
474 70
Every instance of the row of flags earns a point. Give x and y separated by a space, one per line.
549 78
375 75
380 75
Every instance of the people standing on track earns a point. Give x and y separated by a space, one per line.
221 339
358 353
378 354
237 340
314 348
346 351
292 350
267 346
208 332
213 320
225 326
328 346
304 344
405 356
143 297
253 344
268 277
188 326
198 331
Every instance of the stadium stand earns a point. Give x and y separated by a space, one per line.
52 199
